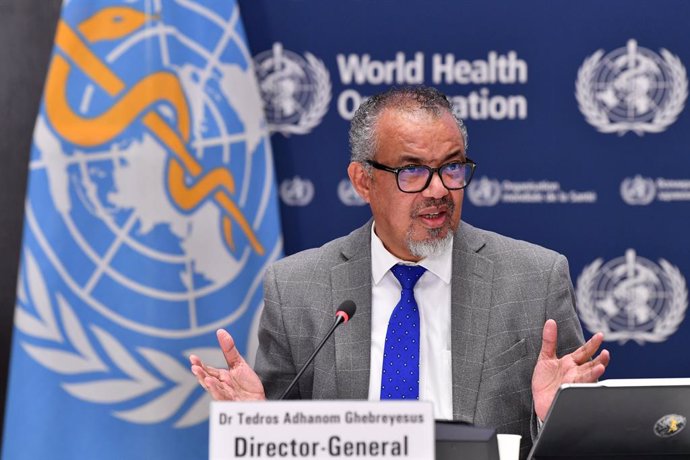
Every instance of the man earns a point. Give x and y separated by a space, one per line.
490 315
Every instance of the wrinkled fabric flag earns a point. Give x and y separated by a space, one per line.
151 215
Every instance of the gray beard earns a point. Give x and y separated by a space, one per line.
432 247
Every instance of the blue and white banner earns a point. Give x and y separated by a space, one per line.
578 120
151 215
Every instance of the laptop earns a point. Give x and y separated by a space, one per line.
637 419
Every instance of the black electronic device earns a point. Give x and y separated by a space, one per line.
459 441
638 419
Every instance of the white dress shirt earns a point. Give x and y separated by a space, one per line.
432 293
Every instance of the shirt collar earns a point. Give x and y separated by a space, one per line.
382 260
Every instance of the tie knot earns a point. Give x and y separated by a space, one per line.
408 275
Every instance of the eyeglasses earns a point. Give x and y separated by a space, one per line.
415 178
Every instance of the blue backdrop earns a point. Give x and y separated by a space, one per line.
577 119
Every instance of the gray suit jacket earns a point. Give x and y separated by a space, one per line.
503 290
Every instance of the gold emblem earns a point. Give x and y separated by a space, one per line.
136 103
669 425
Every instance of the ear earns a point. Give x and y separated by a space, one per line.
360 178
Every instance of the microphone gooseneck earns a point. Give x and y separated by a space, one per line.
345 312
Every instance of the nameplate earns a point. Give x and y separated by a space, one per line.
321 430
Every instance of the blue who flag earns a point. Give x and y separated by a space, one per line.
151 216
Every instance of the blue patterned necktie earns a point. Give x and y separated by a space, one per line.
400 377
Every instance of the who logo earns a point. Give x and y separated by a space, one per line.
348 195
632 298
638 190
151 213
484 192
631 89
297 191
296 90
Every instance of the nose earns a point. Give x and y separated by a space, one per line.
436 189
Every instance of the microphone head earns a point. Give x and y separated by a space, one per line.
346 310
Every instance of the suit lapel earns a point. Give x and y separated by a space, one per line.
470 304
351 280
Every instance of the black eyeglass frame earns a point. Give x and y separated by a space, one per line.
396 171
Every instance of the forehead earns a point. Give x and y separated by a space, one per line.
417 135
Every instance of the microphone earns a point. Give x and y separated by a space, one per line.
345 311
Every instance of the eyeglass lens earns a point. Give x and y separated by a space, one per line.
415 178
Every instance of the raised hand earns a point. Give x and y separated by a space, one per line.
576 367
238 382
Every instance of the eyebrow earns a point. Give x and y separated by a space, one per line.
411 159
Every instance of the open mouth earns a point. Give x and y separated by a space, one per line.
433 219
434 214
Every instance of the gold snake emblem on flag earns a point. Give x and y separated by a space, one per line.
131 104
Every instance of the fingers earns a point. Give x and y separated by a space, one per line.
584 367
215 383
591 371
200 375
586 351
604 358
230 384
549 340
227 345
599 364
198 363
197 367
217 390
202 372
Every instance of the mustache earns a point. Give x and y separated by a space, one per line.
446 201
